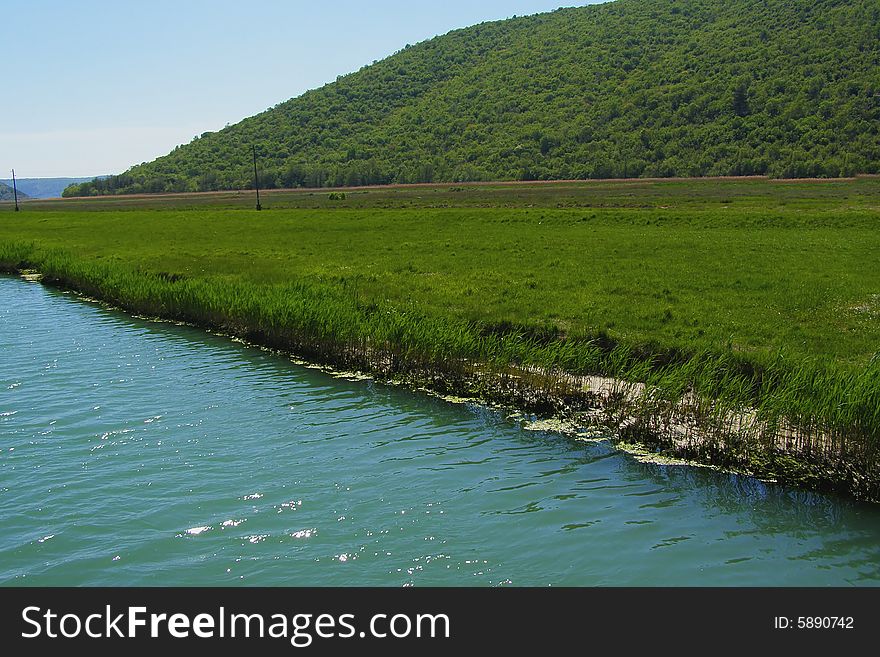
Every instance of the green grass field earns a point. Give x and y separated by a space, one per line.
755 265
780 279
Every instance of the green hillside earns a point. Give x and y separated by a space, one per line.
787 88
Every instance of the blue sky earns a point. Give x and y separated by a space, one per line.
94 86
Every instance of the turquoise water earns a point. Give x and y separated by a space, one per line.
143 453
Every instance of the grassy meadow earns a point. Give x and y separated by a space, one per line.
744 294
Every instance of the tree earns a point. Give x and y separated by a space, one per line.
741 100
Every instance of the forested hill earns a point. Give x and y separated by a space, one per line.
788 88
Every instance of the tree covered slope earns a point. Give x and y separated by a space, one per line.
788 88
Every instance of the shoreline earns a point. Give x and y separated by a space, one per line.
630 415
565 426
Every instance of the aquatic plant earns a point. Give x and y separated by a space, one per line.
734 322
805 421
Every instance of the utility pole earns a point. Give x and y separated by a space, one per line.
14 190
256 180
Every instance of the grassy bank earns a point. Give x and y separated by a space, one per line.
749 309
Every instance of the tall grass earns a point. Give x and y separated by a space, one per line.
806 421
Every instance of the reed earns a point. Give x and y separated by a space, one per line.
806 420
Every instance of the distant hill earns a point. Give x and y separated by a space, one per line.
787 88
7 194
44 187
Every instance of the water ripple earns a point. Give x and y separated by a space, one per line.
139 453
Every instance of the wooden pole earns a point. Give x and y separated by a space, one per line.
14 190
256 180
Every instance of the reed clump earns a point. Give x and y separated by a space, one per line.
809 422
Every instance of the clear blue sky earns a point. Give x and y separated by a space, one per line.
94 86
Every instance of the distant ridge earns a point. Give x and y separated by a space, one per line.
632 88
8 194
45 187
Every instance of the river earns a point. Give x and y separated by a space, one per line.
143 453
